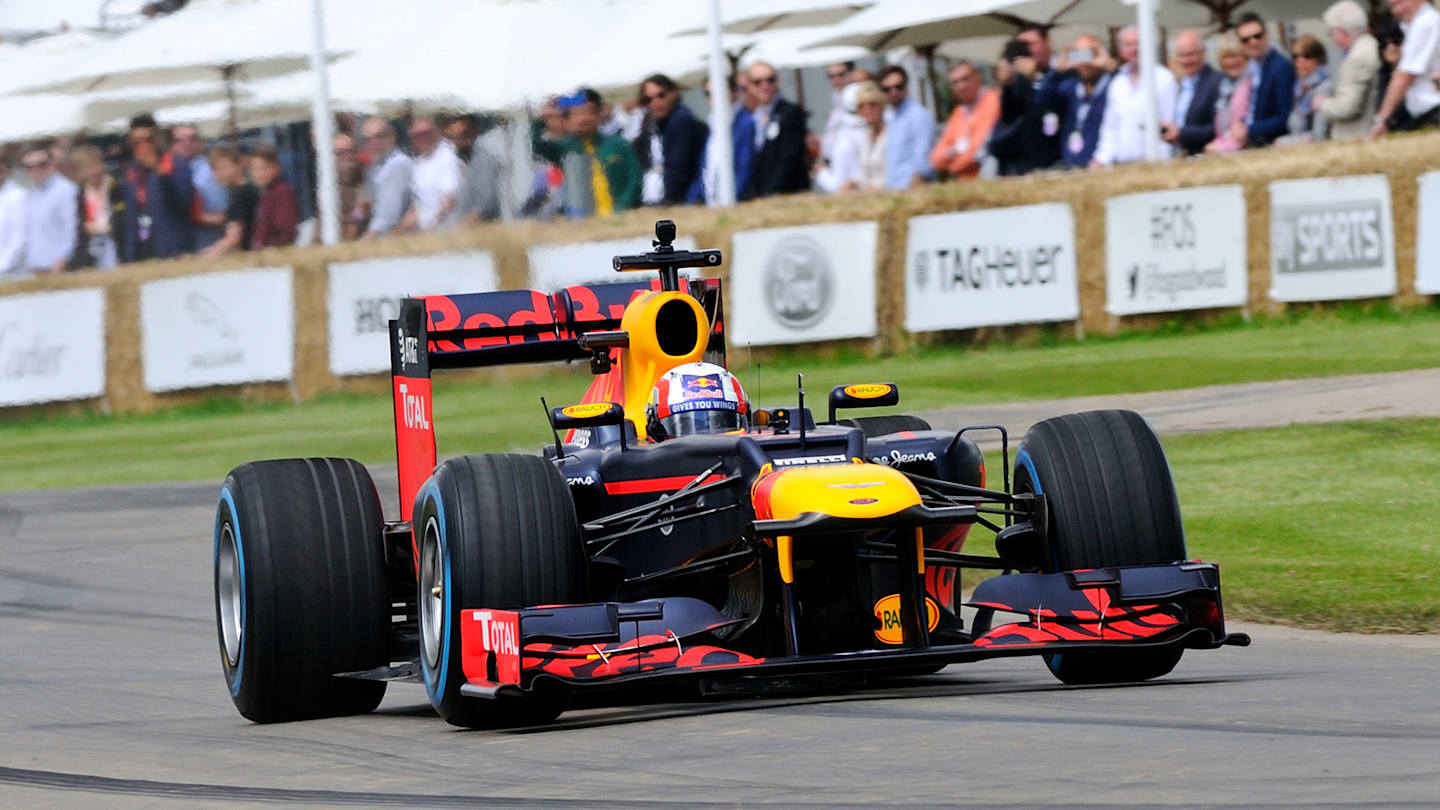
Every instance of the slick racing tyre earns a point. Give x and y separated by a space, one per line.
494 531
300 588
1112 502
874 426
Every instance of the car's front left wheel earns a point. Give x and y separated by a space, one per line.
493 531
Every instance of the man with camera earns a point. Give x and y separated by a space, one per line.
1028 135
1084 95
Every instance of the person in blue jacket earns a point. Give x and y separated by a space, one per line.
159 193
1272 83
672 145
1084 100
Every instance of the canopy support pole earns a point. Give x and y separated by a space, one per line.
1145 12
721 149
323 129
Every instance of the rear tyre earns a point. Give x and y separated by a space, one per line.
885 425
300 588
1112 502
494 531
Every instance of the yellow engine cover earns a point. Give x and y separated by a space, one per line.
840 490
666 329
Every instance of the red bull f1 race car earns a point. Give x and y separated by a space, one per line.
674 533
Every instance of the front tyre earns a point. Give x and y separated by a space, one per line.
1111 501
299 573
493 531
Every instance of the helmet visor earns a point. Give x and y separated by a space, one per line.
688 423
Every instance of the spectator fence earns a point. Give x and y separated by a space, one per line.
500 256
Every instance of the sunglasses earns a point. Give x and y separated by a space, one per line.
1252 38
762 80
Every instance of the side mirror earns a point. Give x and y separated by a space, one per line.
863 395
591 414
588 415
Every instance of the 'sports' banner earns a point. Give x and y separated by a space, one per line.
1331 238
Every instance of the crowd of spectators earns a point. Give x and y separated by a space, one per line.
65 206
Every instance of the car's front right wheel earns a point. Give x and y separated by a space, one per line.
1112 502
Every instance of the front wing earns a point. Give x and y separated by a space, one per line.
612 644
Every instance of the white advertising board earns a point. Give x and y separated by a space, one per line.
52 346
797 285
1172 250
991 268
555 267
218 329
1427 240
365 296
1331 238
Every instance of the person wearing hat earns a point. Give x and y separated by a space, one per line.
602 174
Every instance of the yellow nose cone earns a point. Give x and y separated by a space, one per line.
839 490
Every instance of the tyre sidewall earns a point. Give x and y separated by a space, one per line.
443 681
225 515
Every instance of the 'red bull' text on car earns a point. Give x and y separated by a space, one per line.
675 533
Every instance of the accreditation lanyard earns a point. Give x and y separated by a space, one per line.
1086 102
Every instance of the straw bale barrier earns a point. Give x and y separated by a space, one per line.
1401 159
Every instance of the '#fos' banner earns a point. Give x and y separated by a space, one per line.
1174 250
1331 238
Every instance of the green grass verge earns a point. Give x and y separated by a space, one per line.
1327 526
204 441
1299 542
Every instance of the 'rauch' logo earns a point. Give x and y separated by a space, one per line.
586 411
799 282
867 390
887 611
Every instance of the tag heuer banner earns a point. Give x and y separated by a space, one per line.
1172 250
991 268
52 346
798 285
1331 238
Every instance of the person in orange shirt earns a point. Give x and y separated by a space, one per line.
977 108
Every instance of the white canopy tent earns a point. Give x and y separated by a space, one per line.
893 23
754 16
210 40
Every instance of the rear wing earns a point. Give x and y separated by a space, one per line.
474 330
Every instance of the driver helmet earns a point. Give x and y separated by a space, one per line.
696 398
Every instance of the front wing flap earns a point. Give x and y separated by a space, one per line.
616 644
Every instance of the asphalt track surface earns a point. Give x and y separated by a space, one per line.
111 696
